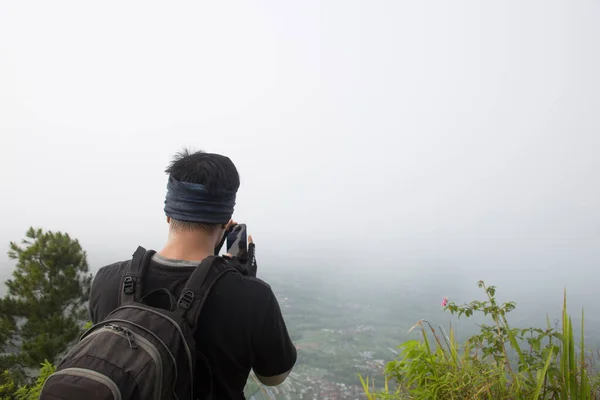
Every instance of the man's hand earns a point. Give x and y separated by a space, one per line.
251 262
229 225
249 258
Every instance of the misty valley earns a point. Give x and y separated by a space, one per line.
356 330
343 328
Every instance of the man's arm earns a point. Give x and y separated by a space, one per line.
274 352
273 380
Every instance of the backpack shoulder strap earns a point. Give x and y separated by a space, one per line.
132 282
196 290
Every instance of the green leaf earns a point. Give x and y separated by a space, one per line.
541 377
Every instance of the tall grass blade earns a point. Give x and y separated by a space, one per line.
515 345
564 357
572 367
365 385
541 377
583 389
453 348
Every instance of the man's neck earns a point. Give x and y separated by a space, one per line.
188 247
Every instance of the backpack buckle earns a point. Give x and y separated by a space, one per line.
186 299
128 285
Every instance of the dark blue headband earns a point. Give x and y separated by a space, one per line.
191 202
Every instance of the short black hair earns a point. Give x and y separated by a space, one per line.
215 171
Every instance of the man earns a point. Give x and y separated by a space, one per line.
241 326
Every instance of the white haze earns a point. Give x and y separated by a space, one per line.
429 144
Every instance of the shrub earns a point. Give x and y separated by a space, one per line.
499 362
10 391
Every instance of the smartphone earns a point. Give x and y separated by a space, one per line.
237 241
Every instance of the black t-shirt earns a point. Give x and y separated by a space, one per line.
240 327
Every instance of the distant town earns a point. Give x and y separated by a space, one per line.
334 347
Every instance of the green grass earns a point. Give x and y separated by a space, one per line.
499 362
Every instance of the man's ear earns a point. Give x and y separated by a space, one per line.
168 219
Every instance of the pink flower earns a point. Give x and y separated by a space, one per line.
445 302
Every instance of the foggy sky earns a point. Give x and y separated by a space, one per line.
457 136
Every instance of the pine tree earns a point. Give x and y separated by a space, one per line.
46 305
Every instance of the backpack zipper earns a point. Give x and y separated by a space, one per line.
128 334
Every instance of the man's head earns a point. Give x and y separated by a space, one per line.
201 192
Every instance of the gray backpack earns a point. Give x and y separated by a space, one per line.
144 349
